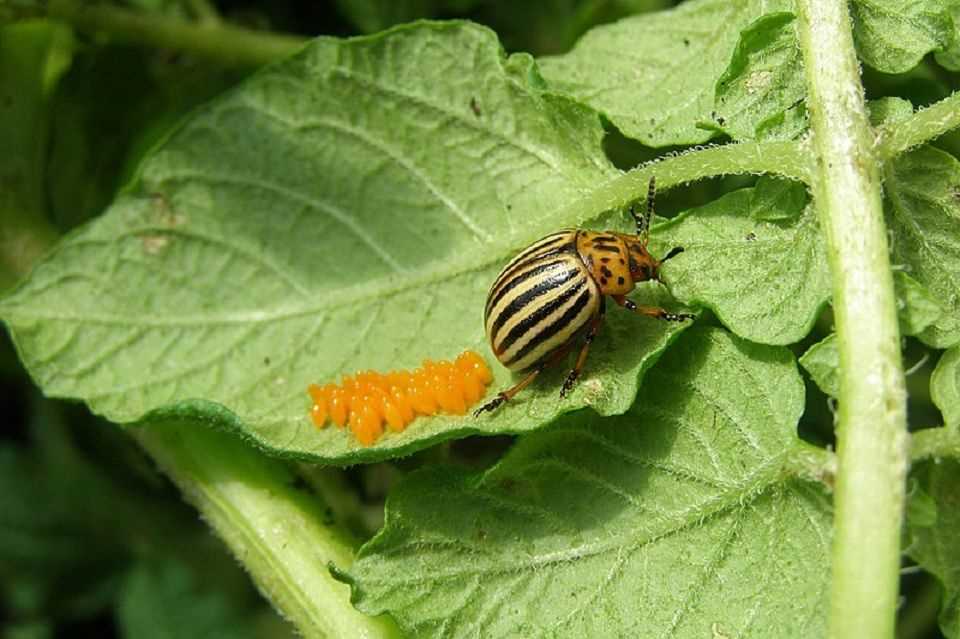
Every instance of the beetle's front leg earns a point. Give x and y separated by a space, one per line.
651 311
582 357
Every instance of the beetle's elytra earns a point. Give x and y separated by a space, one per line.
555 289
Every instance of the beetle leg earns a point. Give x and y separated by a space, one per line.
508 394
582 357
651 311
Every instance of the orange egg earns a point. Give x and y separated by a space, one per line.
369 425
339 406
368 399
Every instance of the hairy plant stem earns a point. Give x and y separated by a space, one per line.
219 41
872 442
923 126
934 443
788 159
276 531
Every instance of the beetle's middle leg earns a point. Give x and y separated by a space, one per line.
651 311
582 357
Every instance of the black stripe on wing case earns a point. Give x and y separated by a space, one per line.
553 328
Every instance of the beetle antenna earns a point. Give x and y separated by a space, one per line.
676 250
643 221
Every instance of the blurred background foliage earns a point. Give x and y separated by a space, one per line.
93 541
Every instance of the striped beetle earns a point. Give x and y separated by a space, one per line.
557 287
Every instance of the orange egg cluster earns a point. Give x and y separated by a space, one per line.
366 400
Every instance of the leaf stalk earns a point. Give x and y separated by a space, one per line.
217 40
275 530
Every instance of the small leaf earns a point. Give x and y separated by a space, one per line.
763 82
923 210
654 75
917 307
945 387
892 36
345 209
765 280
950 57
921 508
678 519
822 361
889 109
936 547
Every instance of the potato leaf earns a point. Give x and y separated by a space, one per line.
945 387
345 209
936 545
681 518
892 36
654 75
923 210
822 362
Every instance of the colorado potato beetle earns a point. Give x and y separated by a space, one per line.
556 288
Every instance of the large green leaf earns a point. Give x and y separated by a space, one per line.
945 387
935 545
343 210
683 518
756 257
893 35
654 75
923 210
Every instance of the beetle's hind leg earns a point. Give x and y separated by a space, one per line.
507 395
651 311
582 357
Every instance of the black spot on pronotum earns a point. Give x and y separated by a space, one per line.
606 272
603 281
620 281
605 259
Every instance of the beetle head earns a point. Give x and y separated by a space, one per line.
643 266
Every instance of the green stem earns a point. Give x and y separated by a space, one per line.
788 159
276 530
923 126
219 41
872 449
935 443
